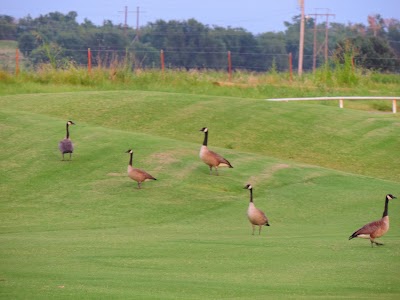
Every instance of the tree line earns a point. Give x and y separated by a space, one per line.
58 38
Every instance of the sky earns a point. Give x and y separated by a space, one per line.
256 16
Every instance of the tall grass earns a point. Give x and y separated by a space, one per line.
118 74
337 78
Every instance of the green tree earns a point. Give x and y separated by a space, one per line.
292 35
243 46
144 55
8 29
27 43
372 53
187 44
273 50
191 44
48 53
393 35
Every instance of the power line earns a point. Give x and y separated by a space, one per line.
315 51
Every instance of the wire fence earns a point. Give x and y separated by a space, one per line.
185 59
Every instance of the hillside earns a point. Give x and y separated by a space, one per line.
81 228
358 142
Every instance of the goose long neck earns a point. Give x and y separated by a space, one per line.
385 212
251 196
205 138
67 131
131 159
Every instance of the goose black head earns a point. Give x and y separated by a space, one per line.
248 186
390 197
70 123
204 129
129 151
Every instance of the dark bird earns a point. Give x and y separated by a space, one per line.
256 216
377 228
66 145
211 158
137 174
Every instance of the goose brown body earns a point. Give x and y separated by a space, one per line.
211 158
137 174
375 229
65 145
256 216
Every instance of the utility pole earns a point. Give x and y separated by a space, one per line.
314 63
315 52
138 11
301 42
137 23
126 18
326 36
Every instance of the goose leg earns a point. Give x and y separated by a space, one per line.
259 230
254 227
216 170
139 185
376 243
210 170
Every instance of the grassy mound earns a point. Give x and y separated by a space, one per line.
81 228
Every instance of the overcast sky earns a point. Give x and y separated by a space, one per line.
256 16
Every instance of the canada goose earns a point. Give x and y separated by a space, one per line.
377 228
137 174
66 145
211 158
256 216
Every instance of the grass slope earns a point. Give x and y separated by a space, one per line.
354 141
81 229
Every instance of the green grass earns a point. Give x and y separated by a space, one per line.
81 229
342 139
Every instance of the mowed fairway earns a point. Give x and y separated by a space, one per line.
81 229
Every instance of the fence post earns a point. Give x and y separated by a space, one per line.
89 61
394 106
290 66
229 65
341 103
16 62
162 60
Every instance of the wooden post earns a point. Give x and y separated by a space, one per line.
290 66
394 106
89 61
314 61
229 65
301 40
341 103
162 60
16 62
